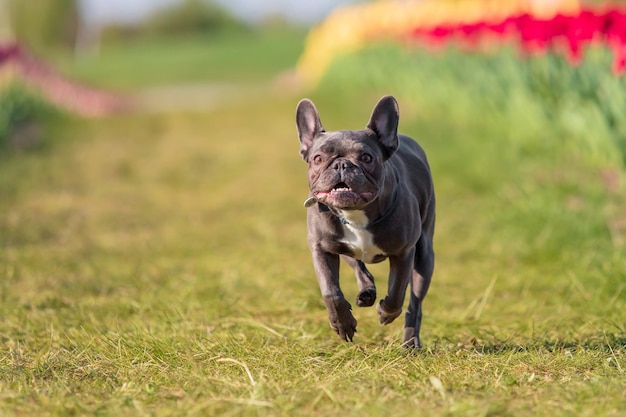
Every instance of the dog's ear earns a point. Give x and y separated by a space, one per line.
384 122
309 125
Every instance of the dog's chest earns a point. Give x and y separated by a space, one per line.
358 239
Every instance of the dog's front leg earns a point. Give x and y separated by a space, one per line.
400 271
365 281
339 309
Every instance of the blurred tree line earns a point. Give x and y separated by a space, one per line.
44 24
52 24
49 26
183 18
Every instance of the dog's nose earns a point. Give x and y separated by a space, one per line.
342 164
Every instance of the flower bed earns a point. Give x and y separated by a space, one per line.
570 34
352 27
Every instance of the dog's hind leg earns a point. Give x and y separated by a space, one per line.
420 281
365 281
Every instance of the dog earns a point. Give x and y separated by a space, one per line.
371 198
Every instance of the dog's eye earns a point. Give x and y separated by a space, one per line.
367 158
318 159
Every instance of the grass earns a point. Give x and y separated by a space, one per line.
217 57
157 265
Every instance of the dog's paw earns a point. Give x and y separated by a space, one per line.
342 321
384 315
366 298
410 340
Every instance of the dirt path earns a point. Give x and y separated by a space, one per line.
205 96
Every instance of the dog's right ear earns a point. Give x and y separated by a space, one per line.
309 125
384 122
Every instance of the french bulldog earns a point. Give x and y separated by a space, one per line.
371 198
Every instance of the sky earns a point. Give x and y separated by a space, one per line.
300 11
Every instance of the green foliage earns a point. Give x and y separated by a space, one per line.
190 16
44 24
581 107
19 108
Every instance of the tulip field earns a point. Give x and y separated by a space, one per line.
553 65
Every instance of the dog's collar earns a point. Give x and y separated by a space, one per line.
323 207
310 201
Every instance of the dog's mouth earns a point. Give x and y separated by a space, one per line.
342 190
341 187
343 196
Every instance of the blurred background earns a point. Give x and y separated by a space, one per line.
134 45
561 58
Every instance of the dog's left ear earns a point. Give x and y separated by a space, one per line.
384 122
309 125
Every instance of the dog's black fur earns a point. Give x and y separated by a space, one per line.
371 198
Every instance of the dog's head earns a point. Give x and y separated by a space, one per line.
346 167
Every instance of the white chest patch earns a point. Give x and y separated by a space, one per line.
357 237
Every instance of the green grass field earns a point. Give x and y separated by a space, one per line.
156 264
217 57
